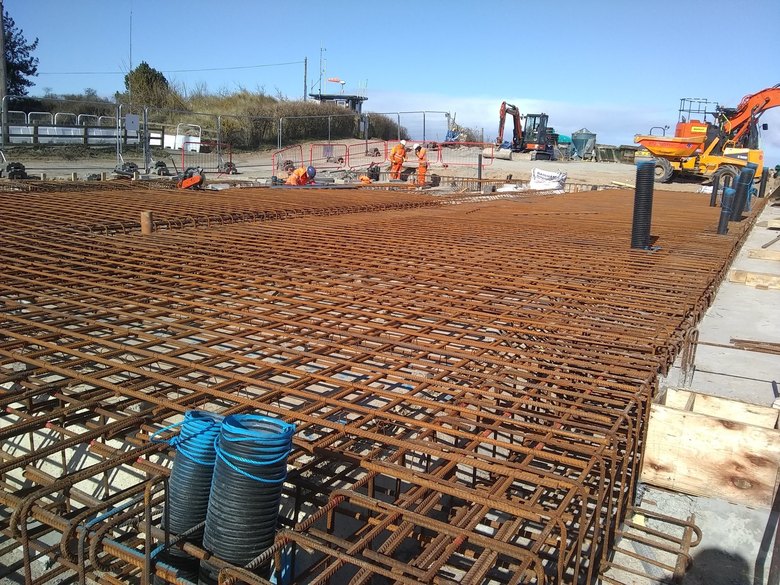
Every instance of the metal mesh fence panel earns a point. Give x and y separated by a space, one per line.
331 156
211 156
364 154
464 153
287 159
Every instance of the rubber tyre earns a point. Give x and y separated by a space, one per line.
663 171
726 171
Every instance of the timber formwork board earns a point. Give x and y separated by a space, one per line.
470 382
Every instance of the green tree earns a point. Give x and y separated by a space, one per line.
19 62
148 86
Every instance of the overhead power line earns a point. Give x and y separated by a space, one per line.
173 70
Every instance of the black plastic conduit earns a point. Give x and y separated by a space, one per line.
190 484
743 186
643 205
251 467
725 210
762 187
715 188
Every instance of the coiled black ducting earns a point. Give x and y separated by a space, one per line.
715 189
643 205
725 210
251 467
743 187
189 485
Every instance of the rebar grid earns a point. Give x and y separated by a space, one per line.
115 207
470 382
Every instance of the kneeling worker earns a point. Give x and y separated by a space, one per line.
302 176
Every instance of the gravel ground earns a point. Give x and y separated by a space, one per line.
60 164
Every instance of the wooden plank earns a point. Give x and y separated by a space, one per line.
758 279
764 254
773 224
750 414
702 455
731 410
677 398
757 346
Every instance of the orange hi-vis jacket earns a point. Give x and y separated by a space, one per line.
422 169
298 177
398 154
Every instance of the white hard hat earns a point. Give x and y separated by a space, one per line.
403 143
415 147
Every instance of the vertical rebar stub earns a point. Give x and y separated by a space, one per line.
147 222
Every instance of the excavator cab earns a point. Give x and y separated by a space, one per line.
539 137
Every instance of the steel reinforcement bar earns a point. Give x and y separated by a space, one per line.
470 383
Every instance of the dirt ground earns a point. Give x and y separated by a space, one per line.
60 163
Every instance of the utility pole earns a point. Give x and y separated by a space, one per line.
130 84
305 74
3 80
322 68
131 35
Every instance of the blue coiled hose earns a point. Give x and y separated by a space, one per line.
251 467
190 482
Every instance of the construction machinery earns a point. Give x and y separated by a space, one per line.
716 147
517 127
191 178
540 139
533 136
455 132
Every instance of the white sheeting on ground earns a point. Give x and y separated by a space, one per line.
547 181
511 188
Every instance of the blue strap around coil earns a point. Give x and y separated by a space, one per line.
237 428
196 437
162 430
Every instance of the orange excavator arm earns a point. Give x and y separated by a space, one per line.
517 131
750 108
501 122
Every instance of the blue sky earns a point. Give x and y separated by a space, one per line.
616 67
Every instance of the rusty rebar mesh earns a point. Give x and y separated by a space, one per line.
116 208
470 382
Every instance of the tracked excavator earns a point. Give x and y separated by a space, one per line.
718 147
536 136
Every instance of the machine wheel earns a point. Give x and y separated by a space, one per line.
663 170
729 171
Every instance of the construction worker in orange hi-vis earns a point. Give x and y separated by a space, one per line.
301 176
397 158
422 159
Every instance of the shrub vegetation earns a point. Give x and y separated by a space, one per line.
249 119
